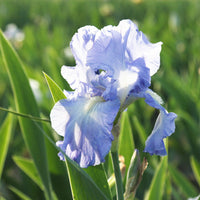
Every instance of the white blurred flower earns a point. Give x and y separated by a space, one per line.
195 198
173 22
35 86
68 53
14 35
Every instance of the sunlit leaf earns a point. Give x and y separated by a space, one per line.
28 167
98 175
196 168
157 185
5 136
19 193
55 90
26 103
126 143
82 185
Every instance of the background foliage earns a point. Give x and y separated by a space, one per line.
48 27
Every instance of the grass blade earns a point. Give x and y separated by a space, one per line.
195 168
55 90
182 182
28 167
19 193
5 136
26 103
157 185
126 143
82 185
98 175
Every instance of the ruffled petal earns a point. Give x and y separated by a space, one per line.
86 125
115 44
164 126
107 52
82 42
138 46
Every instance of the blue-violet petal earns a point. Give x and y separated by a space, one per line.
86 125
164 126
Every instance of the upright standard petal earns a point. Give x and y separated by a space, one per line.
82 42
138 46
86 125
109 53
135 79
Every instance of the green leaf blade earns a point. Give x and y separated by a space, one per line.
5 136
196 168
182 182
55 90
19 193
26 103
98 175
157 185
28 167
83 187
126 143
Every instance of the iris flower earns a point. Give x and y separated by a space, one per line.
113 68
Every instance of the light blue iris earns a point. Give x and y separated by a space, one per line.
113 68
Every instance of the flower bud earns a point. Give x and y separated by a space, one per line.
134 175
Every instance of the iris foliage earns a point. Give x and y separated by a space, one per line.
29 165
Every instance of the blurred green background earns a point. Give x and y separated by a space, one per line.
46 28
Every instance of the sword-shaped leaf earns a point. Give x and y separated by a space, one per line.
26 103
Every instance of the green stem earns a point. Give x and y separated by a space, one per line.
25 115
118 178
